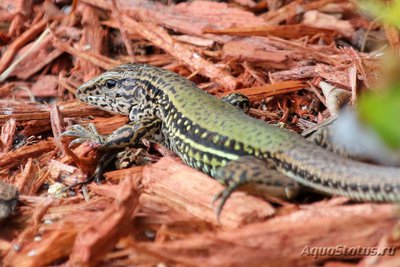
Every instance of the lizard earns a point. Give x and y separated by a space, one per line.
219 139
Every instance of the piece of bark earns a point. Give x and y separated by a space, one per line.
248 3
26 111
26 180
317 19
326 72
58 245
281 241
60 224
301 51
249 50
5 17
296 54
185 188
106 126
194 61
45 86
103 232
152 208
96 59
7 88
21 111
57 123
116 14
85 156
7 135
14 158
119 175
157 60
93 39
27 36
189 18
22 13
291 10
198 41
35 127
194 17
14 256
268 90
389 261
41 55
281 31
11 7
64 173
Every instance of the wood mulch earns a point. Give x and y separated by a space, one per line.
275 52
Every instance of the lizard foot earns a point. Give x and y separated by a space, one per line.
249 170
84 134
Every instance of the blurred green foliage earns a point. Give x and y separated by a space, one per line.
388 12
381 108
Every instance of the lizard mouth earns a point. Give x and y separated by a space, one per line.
108 103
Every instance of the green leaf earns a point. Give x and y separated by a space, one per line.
382 113
389 13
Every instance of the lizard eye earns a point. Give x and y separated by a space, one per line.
111 83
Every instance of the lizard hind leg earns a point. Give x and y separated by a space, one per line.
254 172
130 157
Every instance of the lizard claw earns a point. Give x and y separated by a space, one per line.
75 130
76 141
223 196
84 134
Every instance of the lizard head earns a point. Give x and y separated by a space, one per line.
118 90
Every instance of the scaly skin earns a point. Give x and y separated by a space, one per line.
207 133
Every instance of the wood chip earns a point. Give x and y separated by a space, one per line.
185 188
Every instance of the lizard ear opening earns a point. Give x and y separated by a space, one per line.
139 93
110 83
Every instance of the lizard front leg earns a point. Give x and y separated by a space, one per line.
129 134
